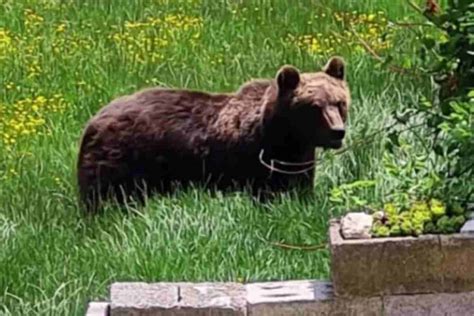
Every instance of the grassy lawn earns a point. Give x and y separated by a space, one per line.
61 61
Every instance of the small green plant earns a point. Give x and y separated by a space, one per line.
420 217
349 193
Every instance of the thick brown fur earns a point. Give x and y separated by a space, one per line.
147 141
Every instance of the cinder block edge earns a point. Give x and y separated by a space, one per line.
98 309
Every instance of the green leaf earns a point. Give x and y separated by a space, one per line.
429 43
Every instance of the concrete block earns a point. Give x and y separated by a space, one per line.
212 299
177 299
443 304
385 266
98 309
458 262
143 299
306 297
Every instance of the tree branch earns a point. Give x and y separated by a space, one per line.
370 138
411 24
299 247
431 10
416 7
294 247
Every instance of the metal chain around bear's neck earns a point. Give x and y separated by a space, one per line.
272 168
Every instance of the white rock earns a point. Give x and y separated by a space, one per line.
356 226
468 227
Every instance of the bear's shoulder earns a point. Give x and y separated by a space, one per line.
254 89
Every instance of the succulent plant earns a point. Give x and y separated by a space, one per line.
420 217
437 208
380 231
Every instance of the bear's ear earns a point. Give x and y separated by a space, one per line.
336 68
288 78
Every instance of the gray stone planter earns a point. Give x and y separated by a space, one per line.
401 265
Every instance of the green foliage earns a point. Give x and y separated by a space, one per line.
428 165
437 208
431 148
381 230
349 193
433 154
449 225
420 217
395 231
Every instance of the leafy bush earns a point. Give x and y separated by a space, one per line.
440 128
439 145
429 161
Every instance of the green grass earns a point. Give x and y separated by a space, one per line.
53 259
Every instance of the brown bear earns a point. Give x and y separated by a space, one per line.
263 136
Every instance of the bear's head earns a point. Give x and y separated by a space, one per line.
313 106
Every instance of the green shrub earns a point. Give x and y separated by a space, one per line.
429 162
443 124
